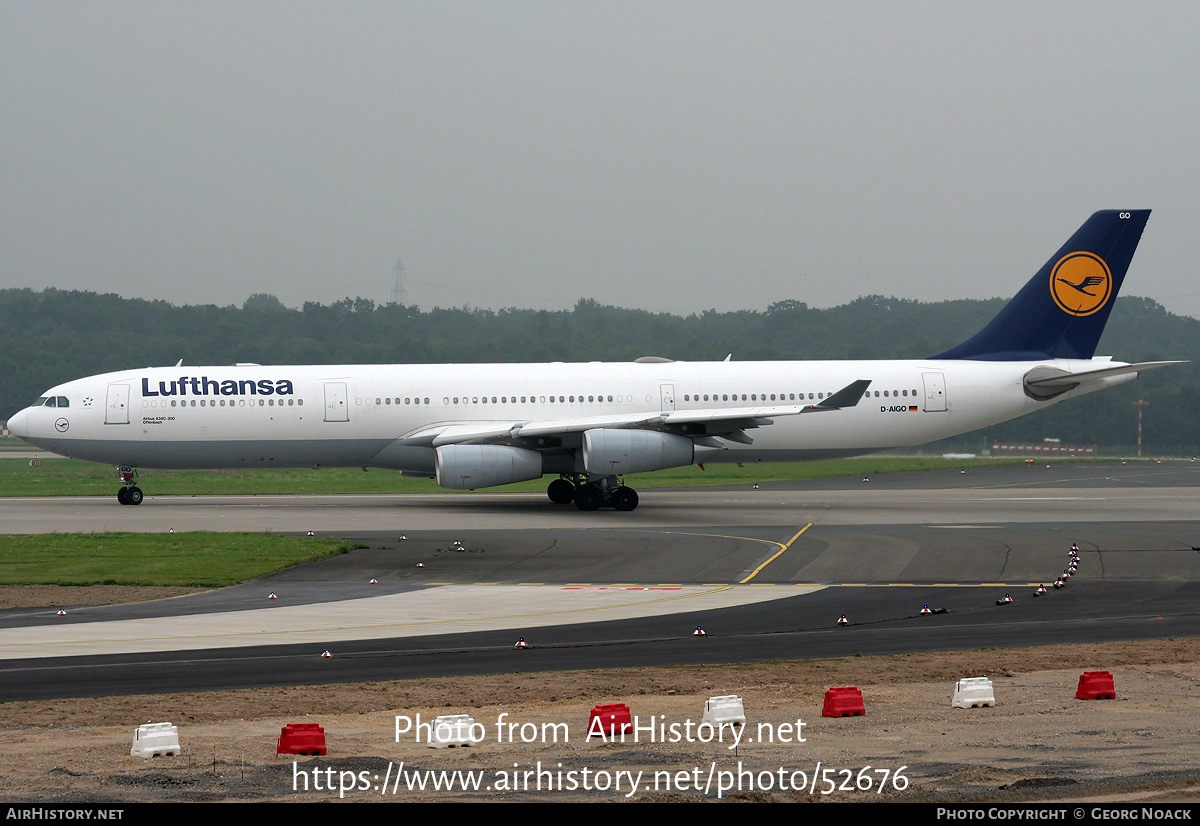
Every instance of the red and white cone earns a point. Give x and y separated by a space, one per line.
842 620
699 632
521 643
62 612
272 595
325 655
926 610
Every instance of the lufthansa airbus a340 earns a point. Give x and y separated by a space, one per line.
479 425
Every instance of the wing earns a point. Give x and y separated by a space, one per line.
705 426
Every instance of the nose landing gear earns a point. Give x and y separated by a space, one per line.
131 494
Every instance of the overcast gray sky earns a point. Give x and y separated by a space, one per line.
672 156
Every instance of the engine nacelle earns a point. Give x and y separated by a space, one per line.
484 466
615 452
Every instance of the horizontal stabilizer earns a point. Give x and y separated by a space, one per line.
1047 382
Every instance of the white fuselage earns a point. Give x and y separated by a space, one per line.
366 415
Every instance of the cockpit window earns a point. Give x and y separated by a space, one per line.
51 401
62 402
39 402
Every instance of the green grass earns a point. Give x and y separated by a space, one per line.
197 560
69 477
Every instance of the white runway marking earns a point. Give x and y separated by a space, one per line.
449 609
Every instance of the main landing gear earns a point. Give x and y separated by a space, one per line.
593 494
131 494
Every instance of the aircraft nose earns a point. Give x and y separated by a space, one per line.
18 425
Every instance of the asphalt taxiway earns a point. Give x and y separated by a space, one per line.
765 572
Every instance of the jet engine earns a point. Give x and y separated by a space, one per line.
484 466
615 452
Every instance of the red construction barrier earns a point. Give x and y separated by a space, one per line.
612 718
301 738
845 701
1096 685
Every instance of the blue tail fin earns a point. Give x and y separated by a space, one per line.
1061 312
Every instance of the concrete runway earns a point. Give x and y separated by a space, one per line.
605 589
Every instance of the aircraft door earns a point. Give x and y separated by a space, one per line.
935 392
336 409
116 406
668 396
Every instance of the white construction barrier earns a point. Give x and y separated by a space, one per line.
726 710
452 730
973 691
155 740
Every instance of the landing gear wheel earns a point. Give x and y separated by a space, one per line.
121 496
588 498
624 499
133 496
561 492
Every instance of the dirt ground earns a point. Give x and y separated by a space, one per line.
1037 743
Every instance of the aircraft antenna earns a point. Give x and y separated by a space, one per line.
399 294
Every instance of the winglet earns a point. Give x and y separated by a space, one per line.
848 396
